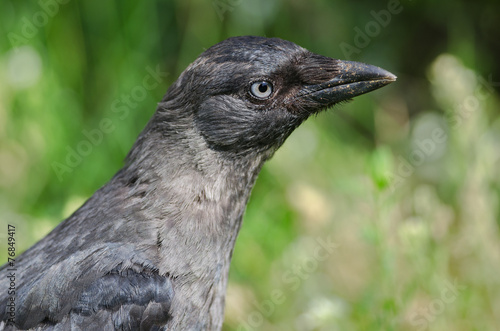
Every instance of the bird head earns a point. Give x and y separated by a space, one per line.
247 94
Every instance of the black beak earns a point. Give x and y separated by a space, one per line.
351 79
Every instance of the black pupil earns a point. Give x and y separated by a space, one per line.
263 87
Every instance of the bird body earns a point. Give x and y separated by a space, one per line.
151 249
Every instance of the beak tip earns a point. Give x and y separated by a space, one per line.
391 77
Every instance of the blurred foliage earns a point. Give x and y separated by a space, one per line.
405 181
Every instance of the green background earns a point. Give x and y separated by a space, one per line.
405 181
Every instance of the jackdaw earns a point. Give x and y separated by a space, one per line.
151 249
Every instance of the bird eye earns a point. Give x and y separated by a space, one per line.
261 90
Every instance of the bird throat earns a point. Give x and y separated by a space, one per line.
199 200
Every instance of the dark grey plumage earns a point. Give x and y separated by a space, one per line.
151 249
